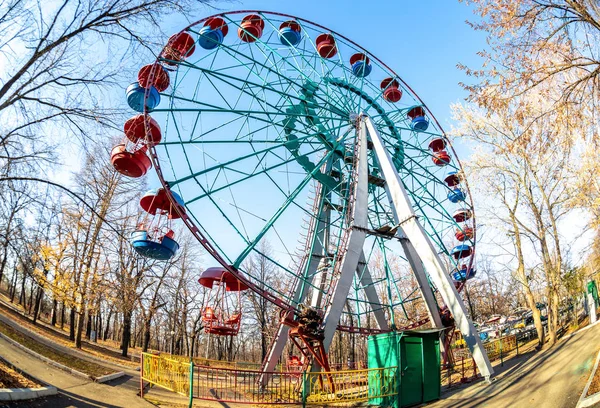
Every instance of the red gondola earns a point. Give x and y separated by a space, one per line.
179 47
437 144
391 90
140 126
465 233
441 158
462 215
218 319
154 75
251 28
133 163
326 46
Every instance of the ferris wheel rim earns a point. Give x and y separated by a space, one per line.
191 225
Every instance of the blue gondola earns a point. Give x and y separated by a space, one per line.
161 250
210 38
419 124
361 69
137 94
361 65
289 36
418 121
456 195
463 274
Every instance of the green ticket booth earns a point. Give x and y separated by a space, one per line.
593 290
416 353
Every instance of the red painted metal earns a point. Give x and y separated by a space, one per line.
132 164
453 180
154 75
251 28
291 24
217 23
359 57
462 215
158 201
441 158
391 90
221 276
464 234
437 144
142 127
326 46
183 43
416 112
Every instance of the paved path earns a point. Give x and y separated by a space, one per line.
551 379
73 391
130 381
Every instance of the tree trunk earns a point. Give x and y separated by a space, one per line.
38 301
31 298
126 333
98 326
107 328
72 324
54 311
22 294
62 315
521 274
79 331
146 341
88 325
13 286
4 259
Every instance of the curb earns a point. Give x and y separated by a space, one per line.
109 377
593 399
61 366
18 394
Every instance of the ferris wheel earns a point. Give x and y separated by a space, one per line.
265 126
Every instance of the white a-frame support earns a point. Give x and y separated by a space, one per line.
417 246
425 250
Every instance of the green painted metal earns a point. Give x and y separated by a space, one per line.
191 396
262 114
417 354
593 289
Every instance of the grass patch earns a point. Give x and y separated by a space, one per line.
9 378
59 336
75 363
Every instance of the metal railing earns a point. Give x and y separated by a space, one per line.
167 373
321 388
244 386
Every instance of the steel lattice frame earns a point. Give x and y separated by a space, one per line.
258 140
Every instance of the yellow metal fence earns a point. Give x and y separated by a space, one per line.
172 374
500 346
177 374
350 386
